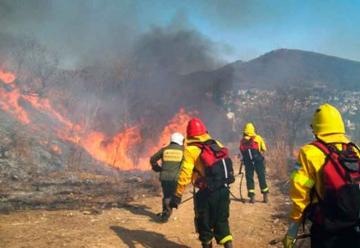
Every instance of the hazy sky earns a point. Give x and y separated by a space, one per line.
241 29
253 27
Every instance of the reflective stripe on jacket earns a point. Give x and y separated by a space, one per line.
171 157
307 174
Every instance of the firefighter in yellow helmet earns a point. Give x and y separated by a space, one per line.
252 148
307 186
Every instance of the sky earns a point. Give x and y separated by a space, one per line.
253 27
236 30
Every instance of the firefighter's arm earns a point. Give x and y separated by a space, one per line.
154 160
302 181
261 142
186 171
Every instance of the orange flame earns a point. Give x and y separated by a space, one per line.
9 100
177 124
115 151
45 106
7 77
118 151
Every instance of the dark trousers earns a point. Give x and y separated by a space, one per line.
168 189
323 239
259 167
212 214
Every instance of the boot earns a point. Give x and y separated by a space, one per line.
164 218
266 197
206 245
228 244
166 215
252 199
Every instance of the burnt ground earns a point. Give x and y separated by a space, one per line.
73 190
135 224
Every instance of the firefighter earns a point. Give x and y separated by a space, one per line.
211 206
307 186
252 148
171 157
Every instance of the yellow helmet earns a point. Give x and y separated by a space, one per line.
249 129
327 119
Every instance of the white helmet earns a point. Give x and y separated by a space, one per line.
177 138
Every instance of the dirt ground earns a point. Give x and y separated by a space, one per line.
136 225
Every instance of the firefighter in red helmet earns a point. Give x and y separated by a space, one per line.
211 204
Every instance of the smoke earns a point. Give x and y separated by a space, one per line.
106 68
179 52
80 32
84 32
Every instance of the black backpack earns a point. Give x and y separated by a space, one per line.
218 165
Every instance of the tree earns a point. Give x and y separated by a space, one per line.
35 66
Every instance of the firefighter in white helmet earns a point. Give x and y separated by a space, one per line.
171 157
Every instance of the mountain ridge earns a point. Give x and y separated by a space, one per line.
284 67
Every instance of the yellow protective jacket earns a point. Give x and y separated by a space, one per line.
191 166
307 174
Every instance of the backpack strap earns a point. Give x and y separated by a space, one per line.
201 144
309 210
322 146
197 144
354 145
328 150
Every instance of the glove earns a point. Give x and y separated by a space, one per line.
175 201
290 237
288 241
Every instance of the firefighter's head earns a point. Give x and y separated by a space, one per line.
249 129
327 120
177 138
195 127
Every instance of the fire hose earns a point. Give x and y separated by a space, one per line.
241 180
242 199
187 199
301 236
235 197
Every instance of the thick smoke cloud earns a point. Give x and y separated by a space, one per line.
180 51
86 32
120 71
80 32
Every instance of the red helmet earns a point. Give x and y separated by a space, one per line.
195 127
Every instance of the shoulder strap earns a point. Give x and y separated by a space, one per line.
351 144
322 146
197 144
202 144
328 151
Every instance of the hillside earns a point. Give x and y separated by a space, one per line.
284 67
